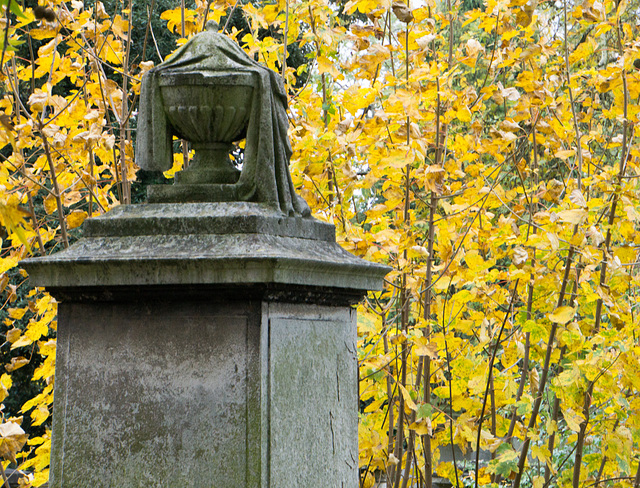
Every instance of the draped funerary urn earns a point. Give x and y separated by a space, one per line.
212 93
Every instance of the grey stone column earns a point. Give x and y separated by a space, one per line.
205 345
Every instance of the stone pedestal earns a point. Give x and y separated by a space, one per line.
205 345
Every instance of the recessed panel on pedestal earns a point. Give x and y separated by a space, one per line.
313 396
156 395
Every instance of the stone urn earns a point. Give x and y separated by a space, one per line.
212 93
210 110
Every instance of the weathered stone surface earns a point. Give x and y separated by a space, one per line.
137 245
313 396
205 346
205 394
157 395
204 218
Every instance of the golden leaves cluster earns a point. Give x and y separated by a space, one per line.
471 150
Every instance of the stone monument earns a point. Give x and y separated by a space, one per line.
207 338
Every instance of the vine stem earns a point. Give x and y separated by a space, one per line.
573 108
426 439
606 252
124 120
490 378
331 177
555 413
284 43
5 480
56 186
449 382
545 370
405 304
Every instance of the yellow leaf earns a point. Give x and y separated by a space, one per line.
568 377
541 453
47 348
23 341
602 28
6 381
38 100
484 477
408 401
573 419
523 17
424 347
46 397
44 303
375 405
45 370
12 217
520 256
120 26
174 18
463 114
39 328
447 470
45 33
50 204
12 438
16 363
41 477
75 218
356 98
626 254
39 415
632 213
325 65
577 239
574 216
422 427
565 154
114 53
17 313
554 190
364 6
577 198
5 384
553 240
562 315
398 158
583 50
271 13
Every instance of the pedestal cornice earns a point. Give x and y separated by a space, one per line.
212 246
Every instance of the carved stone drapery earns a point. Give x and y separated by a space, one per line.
208 59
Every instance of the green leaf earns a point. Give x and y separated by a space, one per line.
424 411
537 330
15 8
506 462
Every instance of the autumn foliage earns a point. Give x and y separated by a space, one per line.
486 151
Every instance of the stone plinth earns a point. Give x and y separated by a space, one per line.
205 345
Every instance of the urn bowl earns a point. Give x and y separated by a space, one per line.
211 110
